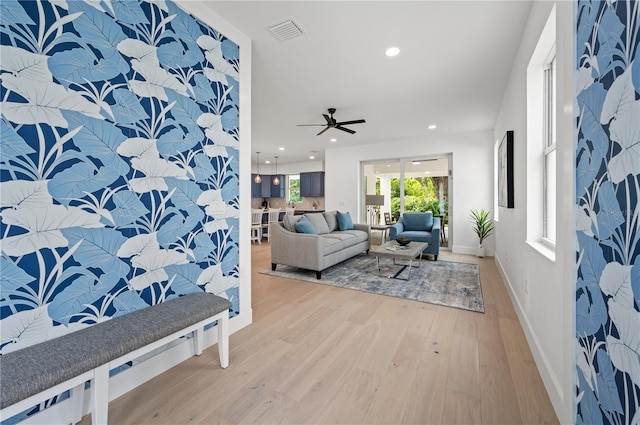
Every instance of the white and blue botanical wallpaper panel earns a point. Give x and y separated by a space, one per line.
608 213
119 162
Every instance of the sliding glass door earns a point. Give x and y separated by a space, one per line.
412 184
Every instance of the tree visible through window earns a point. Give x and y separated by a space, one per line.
294 189
420 194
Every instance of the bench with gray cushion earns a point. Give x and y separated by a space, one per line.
37 373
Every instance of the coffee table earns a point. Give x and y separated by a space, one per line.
391 249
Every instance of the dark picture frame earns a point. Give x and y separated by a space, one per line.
505 171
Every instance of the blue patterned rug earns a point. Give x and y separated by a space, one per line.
436 282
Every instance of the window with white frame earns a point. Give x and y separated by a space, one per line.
549 154
541 142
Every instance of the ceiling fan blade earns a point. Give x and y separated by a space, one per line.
345 129
326 117
310 125
327 128
351 122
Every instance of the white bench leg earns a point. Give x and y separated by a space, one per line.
100 395
198 341
223 339
76 398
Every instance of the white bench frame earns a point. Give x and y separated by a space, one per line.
99 376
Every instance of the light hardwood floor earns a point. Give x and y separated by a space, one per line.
320 354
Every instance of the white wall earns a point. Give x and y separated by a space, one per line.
541 289
290 168
471 186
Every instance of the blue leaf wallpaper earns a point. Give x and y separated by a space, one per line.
608 213
118 164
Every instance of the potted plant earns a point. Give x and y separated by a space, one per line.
483 226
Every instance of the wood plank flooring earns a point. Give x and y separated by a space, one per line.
320 354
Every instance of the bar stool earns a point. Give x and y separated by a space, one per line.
256 225
274 215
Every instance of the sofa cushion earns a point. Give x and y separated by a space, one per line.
344 221
349 237
318 222
417 221
304 226
289 222
332 220
330 244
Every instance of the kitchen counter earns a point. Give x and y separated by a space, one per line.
301 211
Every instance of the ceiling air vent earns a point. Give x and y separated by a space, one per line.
286 30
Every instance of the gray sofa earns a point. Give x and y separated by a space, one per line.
316 251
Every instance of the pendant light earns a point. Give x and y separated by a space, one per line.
276 179
257 178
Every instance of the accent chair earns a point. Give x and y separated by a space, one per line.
419 227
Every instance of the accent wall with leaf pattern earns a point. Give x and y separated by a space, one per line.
608 212
119 162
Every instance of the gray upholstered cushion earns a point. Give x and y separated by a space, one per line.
34 369
332 220
289 222
331 245
319 223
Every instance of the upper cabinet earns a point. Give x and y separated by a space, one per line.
277 190
266 188
312 184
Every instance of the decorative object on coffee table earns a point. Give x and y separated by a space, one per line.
403 240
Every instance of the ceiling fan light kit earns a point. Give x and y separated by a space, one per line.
333 123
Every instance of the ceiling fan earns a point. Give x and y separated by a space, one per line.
332 123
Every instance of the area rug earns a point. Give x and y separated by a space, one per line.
436 282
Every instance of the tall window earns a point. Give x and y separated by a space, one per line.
541 142
549 135
293 194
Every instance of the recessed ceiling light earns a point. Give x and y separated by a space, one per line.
267 162
280 148
312 157
333 140
392 51
432 126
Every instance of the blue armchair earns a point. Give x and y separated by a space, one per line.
419 227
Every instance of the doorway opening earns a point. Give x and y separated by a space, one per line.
394 186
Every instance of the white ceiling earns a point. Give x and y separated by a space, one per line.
452 69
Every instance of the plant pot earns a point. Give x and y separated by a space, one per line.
480 251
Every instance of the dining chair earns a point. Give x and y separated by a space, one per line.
256 224
387 219
274 215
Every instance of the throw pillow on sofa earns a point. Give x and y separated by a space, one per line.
319 223
304 226
344 221
290 221
332 220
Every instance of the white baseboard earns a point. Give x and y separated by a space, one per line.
139 373
469 250
551 383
